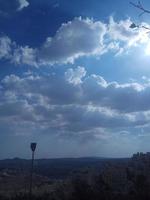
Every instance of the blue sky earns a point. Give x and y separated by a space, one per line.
74 77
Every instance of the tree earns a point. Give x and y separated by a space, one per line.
144 11
140 7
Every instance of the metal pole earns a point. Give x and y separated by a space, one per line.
33 147
31 176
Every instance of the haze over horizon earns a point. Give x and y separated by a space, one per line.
74 77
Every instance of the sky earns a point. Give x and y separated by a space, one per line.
74 77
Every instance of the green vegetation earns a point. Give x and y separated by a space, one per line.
118 180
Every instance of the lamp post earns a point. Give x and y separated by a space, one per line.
33 147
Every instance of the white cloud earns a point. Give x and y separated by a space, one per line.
75 76
80 37
9 7
121 30
125 36
75 39
77 104
22 4
78 88
74 107
5 48
24 55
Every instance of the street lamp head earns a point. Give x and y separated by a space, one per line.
33 146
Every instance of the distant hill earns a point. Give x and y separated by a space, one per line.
58 168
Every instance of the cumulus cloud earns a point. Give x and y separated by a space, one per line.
22 4
10 7
18 55
5 47
121 31
24 55
75 76
80 37
129 97
75 107
77 88
54 103
75 39
123 37
85 37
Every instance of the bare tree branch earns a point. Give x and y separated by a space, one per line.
140 7
146 29
133 26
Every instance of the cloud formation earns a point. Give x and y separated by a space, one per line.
75 106
22 4
75 39
5 47
75 76
10 7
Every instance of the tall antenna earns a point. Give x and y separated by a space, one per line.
33 147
